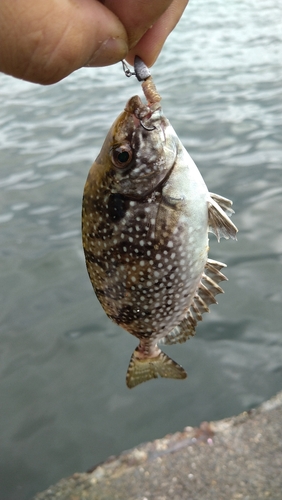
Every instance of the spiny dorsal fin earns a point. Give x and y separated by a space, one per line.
141 370
219 222
208 288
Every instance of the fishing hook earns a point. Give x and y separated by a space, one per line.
147 128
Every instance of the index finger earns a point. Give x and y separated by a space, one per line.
150 45
137 16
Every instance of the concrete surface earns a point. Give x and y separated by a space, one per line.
236 458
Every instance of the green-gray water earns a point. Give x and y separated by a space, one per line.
64 405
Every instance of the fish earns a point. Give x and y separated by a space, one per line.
146 215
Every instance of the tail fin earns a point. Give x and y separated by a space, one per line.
143 369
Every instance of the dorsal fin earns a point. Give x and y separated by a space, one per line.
204 296
219 222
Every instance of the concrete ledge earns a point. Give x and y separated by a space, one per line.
235 458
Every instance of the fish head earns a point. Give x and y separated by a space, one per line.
139 151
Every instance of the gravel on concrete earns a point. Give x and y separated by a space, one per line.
232 459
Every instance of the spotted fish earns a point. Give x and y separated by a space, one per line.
145 221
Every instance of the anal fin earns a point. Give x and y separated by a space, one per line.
204 296
213 269
181 332
145 368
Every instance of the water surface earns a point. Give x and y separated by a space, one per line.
64 403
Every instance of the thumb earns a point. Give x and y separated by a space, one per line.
43 42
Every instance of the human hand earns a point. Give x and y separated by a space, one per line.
148 23
43 42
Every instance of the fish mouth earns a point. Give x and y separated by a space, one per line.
143 114
148 116
136 107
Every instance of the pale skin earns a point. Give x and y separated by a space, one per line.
45 41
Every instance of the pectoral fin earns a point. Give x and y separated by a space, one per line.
224 203
219 222
143 369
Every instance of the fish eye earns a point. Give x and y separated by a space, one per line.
121 155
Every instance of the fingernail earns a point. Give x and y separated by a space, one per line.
109 52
